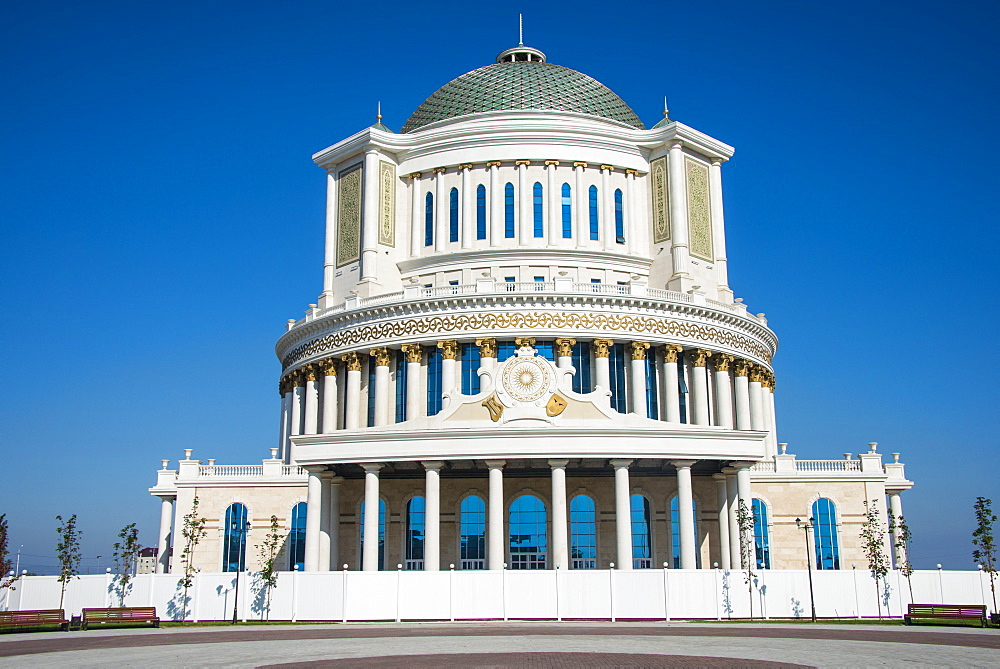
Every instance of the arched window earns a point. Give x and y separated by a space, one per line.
824 513
453 215
582 533
594 218
381 535
481 212
538 207
508 211
415 510
528 538
434 381
473 533
675 532
581 362
652 400
619 219
401 372
761 537
567 212
297 537
470 369
429 219
616 368
234 548
642 551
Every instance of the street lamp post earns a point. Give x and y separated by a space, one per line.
808 526
240 532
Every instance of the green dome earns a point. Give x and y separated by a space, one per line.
522 85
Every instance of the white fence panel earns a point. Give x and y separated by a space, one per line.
424 595
693 593
639 594
585 593
531 594
479 595
315 596
371 595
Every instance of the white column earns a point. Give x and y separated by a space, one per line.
677 183
330 244
639 350
440 212
772 417
380 357
770 445
756 402
723 391
632 240
734 527
525 221
496 204
298 401
601 349
352 402
606 201
741 393
432 515
723 503
334 524
323 557
163 542
699 386
314 515
896 506
449 367
685 516
671 388
719 230
467 198
581 210
414 355
564 352
330 392
495 535
369 558
369 221
287 399
310 417
623 515
553 199
416 216
560 538
745 495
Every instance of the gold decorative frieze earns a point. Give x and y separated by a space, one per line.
349 215
449 349
487 347
353 361
564 347
723 361
699 210
671 351
700 356
387 204
661 200
381 356
602 347
638 349
413 352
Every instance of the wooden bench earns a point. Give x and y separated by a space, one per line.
947 611
34 618
119 615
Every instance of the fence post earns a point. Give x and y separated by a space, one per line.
666 595
343 598
611 591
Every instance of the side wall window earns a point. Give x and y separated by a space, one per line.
567 212
824 513
429 220
508 211
583 533
234 548
538 209
619 218
297 537
594 218
453 215
481 212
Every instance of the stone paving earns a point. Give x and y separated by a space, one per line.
513 644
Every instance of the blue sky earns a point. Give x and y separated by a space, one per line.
162 219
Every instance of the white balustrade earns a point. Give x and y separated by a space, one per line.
828 465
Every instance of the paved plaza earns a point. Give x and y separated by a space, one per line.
514 644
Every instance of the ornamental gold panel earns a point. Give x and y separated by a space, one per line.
699 210
349 215
387 204
661 200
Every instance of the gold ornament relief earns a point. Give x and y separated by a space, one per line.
387 204
564 347
699 210
661 200
487 347
671 351
349 216
381 356
638 349
353 361
413 352
602 347
449 349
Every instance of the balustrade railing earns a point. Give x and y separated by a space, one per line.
828 465
762 466
231 470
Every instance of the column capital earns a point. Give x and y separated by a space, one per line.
352 360
492 163
638 349
675 144
521 163
297 378
729 471
757 374
329 366
620 463
742 367
602 347
564 346
723 361
432 465
487 347
558 464
496 464
284 386
551 163
311 372
440 170
581 164
449 349
671 351
719 478
741 465
465 166
331 477
609 168
413 352
700 356
683 464
522 342
717 161
372 467
315 470
414 175
381 356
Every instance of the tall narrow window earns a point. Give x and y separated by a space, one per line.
481 212
415 510
453 215
594 218
761 538
381 535
434 382
538 207
470 369
619 219
824 514
682 387
508 211
567 212
581 362
652 401
371 391
675 532
429 220
473 533
234 549
401 373
642 552
616 367
528 533
582 533
297 538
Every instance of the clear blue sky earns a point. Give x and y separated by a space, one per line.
162 219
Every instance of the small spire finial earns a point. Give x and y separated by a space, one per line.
520 29
378 114
666 108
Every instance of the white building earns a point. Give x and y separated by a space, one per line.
527 354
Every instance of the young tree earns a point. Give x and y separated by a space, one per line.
748 549
873 543
985 551
7 576
126 553
192 532
901 541
68 553
270 552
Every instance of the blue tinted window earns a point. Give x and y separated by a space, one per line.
652 401
415 510
616 365
473 533
619 219
594 218
762 542
381 535
234 548
297 537
434 381
675 532
508 211
481 212
546 349
401 372
453 215
824 514
528 538
583 533
505 349
682 387
470 369
642 553
567 212
581 361
538 207
371 391
429 219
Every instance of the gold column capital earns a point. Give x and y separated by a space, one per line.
521 342
609 168
632 172
413 352
487 347
519 163
449 349
742 367
671 351
352 360
297 377
602 347
564 346
552 162
329 366
310 372
581 164
414 175
465 166
492 163
638 349
723 361
440 170
700 356
282 386
757 374
381 356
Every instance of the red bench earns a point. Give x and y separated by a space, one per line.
34 618
947 611
119 615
